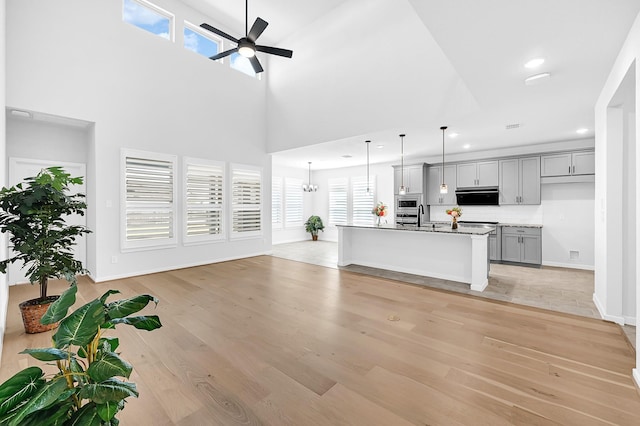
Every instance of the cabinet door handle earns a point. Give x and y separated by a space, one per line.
574 170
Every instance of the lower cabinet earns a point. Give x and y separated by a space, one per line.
522 245
493 247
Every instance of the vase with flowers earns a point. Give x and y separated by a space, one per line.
455 213
379 211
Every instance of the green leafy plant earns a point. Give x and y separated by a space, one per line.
313 225
33 213
87 389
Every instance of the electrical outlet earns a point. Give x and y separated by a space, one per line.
114 259
574 254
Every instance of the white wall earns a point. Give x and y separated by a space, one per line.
142 92
286 234
4 289
609 135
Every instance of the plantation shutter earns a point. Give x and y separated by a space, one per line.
276 202
246 201
204 200
149 192
293 202
338 201
363 202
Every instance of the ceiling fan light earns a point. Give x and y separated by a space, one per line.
247 51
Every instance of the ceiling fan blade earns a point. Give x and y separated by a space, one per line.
255 63
223 54
218 32
275 51
256 29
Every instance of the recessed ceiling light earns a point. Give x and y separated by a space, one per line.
380 146
534 63
346 156
538 78
582 131
453 135
466 146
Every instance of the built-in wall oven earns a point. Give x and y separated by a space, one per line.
406 209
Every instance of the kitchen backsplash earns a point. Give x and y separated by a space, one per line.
504 214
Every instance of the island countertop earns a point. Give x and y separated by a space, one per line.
435 227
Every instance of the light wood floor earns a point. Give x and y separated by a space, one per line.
271 341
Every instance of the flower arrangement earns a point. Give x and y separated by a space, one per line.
455 212
380 210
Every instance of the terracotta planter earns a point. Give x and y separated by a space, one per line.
33 310
314 237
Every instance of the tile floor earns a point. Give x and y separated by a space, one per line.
559 289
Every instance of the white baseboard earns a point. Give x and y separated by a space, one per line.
480 287
569 265
612 318
636 376
100 279
630 320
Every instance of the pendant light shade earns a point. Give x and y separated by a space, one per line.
443 188
402 190
368 187
309 187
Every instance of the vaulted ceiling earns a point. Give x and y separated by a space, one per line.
370 69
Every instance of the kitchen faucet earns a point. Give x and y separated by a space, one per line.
420 209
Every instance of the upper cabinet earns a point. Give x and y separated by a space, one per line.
413 179
480 173
434 179
568 164
520 181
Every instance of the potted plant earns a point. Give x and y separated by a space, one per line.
33 213
313 225
90 385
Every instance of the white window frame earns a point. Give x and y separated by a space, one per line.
292 195
125 206
344 182
159 10
206 34
276 204
358 190
207 238
235 235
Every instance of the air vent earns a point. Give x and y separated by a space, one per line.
512 126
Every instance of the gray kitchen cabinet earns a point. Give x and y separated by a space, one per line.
568 164
480 173
522 245
520 181
414 177
493 247
434 180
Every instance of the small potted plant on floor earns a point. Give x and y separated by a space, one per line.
313 225
33 213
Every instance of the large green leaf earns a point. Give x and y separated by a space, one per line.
19 388
148 323
86 416
76 367
81 326
108 365
111 343
125 307
55 415
107 410
112 390
104 297
45 397
58 309
47 354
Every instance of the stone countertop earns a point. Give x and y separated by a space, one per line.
520 225
431 227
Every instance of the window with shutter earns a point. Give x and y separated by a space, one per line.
338 201
293 207
148 200
204 200
363 202
246 196
276 202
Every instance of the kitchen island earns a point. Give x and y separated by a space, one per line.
433 250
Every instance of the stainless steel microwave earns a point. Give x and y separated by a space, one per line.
408 202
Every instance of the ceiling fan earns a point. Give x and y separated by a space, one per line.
247 46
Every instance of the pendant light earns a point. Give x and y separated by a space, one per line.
368 143
402 190
309 187
443 187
